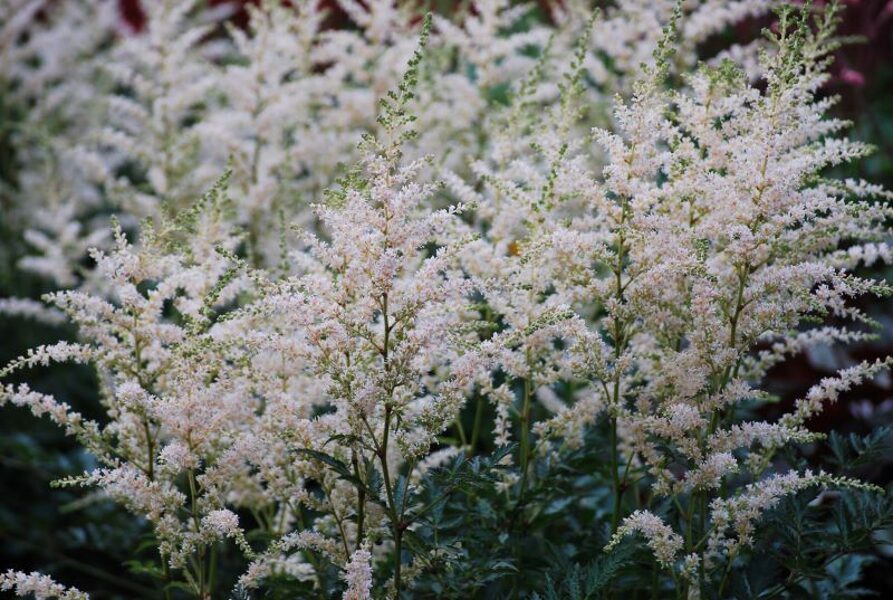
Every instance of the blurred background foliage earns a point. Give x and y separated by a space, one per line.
88 542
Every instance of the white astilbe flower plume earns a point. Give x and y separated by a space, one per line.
358 576
139 121
40 587
663 541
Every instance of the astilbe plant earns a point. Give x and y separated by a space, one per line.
697 253
138 123
371 337
289 409
161 430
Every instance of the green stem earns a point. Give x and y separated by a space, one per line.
725 577
382 451
476 428
200 555
615 476
361 503
339 522
396 527
524 457
461 429
619 341
166 575
398 551
212 569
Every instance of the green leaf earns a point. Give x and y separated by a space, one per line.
343 471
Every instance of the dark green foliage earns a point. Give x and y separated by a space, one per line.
475 540
576 582
854 450
815 547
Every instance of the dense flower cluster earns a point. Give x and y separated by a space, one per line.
573 221
37 585
140 124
